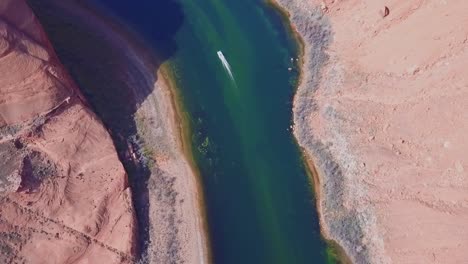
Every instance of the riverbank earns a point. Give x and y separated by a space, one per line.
338 224
139 108
181 124
182 174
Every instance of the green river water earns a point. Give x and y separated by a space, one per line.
258 197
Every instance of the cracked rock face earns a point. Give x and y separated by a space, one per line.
64 196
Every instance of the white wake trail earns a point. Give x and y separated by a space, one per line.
226 65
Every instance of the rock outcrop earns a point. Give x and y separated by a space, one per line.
64 196
382 112
120 76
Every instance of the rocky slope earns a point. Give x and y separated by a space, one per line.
64 193
120 76
382 111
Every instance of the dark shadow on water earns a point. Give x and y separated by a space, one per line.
113 86
156 20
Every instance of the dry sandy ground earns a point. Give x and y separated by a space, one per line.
382 110
64 193
175 218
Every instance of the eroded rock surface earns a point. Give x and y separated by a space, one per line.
64 196
382 110
121 77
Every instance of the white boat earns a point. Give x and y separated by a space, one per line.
226 65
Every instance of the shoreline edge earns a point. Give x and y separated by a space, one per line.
339 254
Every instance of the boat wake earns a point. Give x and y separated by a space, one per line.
226 65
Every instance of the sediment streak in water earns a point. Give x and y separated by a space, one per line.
226 65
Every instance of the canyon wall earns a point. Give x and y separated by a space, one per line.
122 78
64 196
382 112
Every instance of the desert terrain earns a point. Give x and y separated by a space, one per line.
382 112
64 193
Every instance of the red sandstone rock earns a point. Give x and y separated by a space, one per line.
64 196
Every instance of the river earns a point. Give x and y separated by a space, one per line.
258 198
235 65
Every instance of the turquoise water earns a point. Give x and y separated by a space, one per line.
259 201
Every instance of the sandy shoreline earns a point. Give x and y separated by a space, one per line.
174 210
190 189
181 123
301 25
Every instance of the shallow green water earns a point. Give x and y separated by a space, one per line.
259 200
